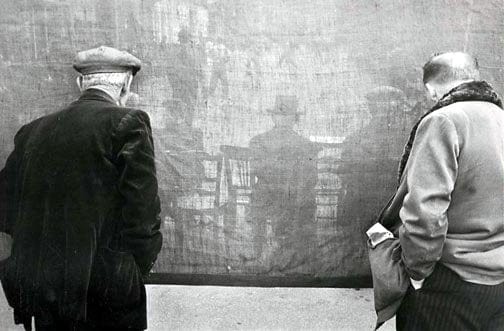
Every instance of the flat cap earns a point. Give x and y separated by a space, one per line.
105 59
285 105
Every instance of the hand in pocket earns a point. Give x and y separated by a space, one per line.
116 278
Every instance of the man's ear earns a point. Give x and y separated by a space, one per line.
78 80
127 84
125 91
432 91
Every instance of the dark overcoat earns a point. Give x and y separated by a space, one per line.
79 196
284 165
284 176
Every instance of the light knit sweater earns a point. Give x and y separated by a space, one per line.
453 208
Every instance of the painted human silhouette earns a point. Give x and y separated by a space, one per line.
185 74
370 157
284 166
220 58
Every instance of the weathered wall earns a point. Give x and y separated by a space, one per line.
239 199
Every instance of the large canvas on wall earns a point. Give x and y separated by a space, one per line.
278 125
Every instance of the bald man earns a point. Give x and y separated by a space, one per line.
451 196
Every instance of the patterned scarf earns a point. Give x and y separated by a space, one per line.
471 91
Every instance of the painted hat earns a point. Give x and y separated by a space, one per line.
105 59
285 105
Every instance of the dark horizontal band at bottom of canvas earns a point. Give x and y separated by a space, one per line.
260 280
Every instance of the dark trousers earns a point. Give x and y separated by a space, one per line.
446 302
63 326
71 326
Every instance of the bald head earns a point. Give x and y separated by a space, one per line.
448 70
447 67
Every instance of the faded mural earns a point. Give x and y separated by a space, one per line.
278 125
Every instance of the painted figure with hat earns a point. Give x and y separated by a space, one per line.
79 198
285 170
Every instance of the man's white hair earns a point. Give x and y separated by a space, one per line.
110 80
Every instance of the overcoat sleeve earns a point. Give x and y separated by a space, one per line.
6 194
8 178
138 187
430 176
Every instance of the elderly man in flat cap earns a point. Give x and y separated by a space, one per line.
81 204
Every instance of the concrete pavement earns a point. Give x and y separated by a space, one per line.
173 307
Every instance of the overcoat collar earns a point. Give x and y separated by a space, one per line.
471 91
96 94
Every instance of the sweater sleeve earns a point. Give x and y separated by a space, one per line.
431 174
138 186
